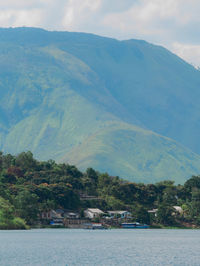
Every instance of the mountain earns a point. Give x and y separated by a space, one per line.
127 107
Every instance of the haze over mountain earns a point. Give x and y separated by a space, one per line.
127 107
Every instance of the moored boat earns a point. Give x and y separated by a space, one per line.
134 226
94 226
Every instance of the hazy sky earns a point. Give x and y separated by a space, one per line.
174 24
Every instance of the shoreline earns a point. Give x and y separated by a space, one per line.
117 228
109 228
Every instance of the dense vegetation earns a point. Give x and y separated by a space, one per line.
28 187
128 108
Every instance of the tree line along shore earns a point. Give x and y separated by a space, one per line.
29 188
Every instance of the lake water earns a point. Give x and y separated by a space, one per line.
95 247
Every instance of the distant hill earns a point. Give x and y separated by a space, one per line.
127 107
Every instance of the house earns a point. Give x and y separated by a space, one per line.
55 217
153 212
53 214
59 213
71 215
93 213
120 214
178 209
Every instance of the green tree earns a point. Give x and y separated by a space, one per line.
27 207
26 161
7 218
165 214
141 215
91 173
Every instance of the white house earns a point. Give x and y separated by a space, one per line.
93 213
154 212
178 209
120 214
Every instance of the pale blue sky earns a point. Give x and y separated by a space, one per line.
174 24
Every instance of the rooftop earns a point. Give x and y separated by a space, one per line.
94 210
117 212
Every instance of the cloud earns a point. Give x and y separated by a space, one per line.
172 23
155 18
79 13
190 53
21 18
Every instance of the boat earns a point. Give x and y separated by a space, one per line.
93 226
134 226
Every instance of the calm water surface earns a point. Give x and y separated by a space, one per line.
109 247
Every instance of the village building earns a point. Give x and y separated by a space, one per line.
55 217
52 214
178 209
120 214
72 215
153 212
92 213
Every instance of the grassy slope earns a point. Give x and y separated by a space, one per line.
136 154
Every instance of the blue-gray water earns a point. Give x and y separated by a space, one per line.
110 247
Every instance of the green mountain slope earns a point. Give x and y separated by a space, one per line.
144 155
126 107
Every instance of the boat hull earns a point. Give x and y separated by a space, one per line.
134 226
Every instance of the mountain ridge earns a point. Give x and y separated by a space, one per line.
59 89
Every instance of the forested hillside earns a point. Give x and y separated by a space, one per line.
28 187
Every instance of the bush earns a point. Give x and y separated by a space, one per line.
19 223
